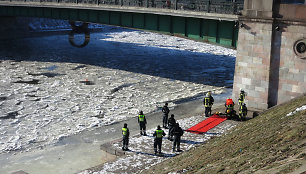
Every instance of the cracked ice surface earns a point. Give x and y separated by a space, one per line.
43 101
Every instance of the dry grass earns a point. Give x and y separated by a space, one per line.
269 143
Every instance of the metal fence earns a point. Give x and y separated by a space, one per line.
210 6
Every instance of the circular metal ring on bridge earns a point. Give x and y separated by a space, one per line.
79 29
78 25
300 48
72 41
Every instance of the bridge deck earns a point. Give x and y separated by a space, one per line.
158 11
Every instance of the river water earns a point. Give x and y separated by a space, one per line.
51 90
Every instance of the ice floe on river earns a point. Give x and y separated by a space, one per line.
40 102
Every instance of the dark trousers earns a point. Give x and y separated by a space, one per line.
125 140
170 136
157 142
142 126
165 120
207 110
176 142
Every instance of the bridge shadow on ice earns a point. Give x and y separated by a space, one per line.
162 61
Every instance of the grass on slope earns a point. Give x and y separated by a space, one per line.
269 143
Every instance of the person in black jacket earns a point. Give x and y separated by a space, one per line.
142 123
158 134
208 102
166 111
171 124
177 132
125 137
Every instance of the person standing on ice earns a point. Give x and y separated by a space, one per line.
142 123
158 134
125 137
177 132
171 124
166 111
208 102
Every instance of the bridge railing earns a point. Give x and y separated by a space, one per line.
209 6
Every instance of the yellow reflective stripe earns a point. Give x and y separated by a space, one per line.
207 102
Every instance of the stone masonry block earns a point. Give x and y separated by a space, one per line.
286 87
253 93
252 104
246 81
296 88
294 71
298 77
257 60
243 64
260 89
249 37
264 84
262 105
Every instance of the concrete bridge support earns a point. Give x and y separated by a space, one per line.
271 58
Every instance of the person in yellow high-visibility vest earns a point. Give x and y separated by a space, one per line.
241 97
125 137
243 111
158 134
142 123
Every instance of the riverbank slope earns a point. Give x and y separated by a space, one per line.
273 142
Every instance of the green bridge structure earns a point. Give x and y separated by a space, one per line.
213 21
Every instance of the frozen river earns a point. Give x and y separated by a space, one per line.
50 89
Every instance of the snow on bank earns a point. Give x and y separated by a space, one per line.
302 108
141 155
41 102
169 42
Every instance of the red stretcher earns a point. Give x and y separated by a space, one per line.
207 124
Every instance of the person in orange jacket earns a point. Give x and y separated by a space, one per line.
229 104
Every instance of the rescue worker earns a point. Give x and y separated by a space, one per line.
166 111
177 132
142 123
243 111
171 124
230 108
158 134
208 102
241 97
125 137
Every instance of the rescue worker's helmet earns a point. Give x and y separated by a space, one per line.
208 94
241 90
140 112
158 126
166 104
125 125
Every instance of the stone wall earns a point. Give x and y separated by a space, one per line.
253 62
292 68
267 66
